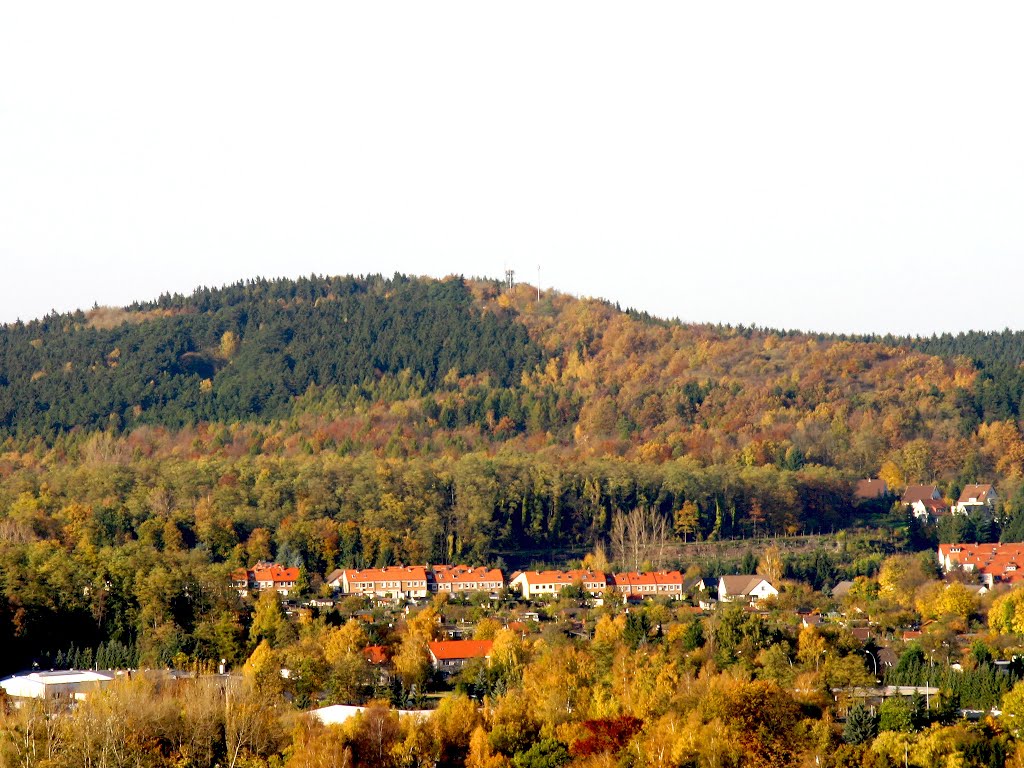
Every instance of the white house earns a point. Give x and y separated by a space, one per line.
929 510
550 583
925 502
745 587
975 497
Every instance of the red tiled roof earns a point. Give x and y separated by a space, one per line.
463 574
445 650
1000 562
275 573
390 573
649 578
264 571
375 654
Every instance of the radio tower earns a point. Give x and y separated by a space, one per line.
509 278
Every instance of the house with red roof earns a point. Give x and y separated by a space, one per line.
449 656
869 489
925 502
652 584
991 563
265 575
455 579
376 655
393 581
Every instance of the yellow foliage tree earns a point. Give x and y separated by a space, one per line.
937 600
346 640
486 629
263 669
811 647
892 475
771 564
899 578
480 753
1006 615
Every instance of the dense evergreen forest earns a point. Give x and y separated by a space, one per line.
245 352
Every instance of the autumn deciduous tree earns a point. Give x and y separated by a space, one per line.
605 735
263 670
770 565
269 622
899 578
938 599
687 520
1006 615
639 539
348 639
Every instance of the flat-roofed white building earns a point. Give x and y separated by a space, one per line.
73 685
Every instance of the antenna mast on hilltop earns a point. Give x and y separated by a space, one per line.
509 278
538 282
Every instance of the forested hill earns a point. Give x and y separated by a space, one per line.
467 358
342 422
246 351
998 392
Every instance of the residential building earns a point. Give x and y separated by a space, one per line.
334 579
929 510
991 563
652 584
551 583
265 575
449 656
746 587
462 578
976 497
920 493
869 489
394 581
925 502
841 589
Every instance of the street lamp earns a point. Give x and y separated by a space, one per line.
874 661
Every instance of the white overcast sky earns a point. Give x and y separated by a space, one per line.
826 166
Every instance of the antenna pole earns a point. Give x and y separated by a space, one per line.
538 282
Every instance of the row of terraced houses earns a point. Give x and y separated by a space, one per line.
991 564
419 581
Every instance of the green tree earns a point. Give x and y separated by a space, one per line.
861 726
896 714
547 753
268 620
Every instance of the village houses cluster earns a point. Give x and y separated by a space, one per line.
926 503
413 582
